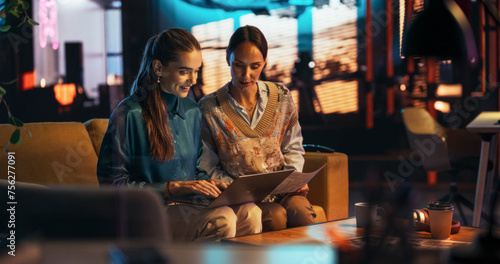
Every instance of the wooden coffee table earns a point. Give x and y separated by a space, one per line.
341 230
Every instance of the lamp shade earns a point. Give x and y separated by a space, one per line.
441 30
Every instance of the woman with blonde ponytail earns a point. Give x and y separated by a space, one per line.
154 139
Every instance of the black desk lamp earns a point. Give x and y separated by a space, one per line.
441 30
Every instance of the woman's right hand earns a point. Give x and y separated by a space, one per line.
207 188
220 184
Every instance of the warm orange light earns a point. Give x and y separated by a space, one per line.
28 80
338 96
65 93
214 36
442 106
452 90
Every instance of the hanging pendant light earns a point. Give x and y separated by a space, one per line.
441 30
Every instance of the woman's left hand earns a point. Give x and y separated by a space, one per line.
302 191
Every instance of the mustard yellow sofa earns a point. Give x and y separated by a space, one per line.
65 153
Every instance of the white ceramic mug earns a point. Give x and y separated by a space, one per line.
368 214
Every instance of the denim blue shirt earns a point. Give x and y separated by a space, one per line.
125 156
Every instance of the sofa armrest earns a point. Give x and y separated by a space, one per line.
330 187
96 128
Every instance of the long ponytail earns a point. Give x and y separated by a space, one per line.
165 47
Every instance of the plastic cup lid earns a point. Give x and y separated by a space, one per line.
440 206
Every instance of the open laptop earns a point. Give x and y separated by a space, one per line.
247 188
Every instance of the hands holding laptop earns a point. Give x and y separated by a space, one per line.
210 187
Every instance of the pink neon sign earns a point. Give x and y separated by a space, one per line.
48 23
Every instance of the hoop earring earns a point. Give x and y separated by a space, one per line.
158 80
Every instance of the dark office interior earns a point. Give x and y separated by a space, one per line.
394 85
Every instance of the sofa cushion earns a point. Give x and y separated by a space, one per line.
55 153
320 213
97 128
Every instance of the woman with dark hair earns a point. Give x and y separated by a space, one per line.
154 139
250 126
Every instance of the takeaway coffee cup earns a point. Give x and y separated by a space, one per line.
440 217
368 214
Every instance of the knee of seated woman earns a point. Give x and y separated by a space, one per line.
295 201
248 211
224 220
224 212
274 216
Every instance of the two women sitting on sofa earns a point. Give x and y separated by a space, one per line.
154 137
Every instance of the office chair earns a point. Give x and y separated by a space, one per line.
70 212
443 149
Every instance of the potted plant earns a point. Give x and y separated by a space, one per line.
19 9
